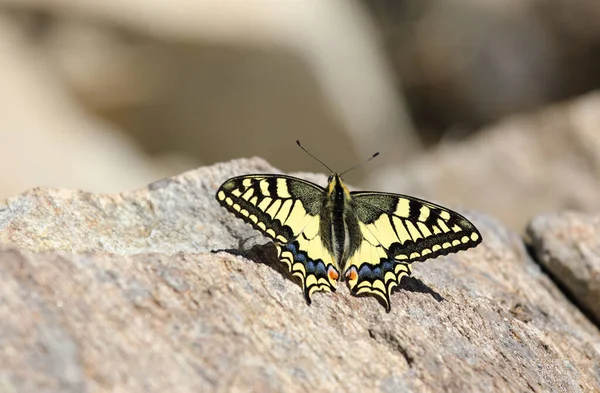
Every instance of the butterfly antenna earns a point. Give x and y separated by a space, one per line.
361 164
307 152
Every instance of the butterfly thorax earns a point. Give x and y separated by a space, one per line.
339 224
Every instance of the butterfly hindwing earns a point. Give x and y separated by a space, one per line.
397 230
286 209
312 263
370 271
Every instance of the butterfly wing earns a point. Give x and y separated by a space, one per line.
286 209
396 231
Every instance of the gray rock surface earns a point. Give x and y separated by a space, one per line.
171 215
568 246
134 301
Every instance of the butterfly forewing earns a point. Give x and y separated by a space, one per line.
286 209
397 230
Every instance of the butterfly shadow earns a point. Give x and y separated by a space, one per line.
265 254
413 284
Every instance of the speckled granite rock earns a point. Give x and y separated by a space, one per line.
184 319
169 216
568 246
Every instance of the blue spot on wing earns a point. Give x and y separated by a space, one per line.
372 273
312 266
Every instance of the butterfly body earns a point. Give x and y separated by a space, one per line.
337 216
325 235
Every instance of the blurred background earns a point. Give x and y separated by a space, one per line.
486 105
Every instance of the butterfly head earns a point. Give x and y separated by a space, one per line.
336 187
334 179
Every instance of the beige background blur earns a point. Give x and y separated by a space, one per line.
487 105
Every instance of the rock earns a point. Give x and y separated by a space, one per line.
48 139
568 246
172 80
169 216
464 65
140 304
515 170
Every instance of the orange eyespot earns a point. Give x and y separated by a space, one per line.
351 274
332 274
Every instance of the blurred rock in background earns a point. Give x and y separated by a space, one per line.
111 95
224 80
520 167
464 64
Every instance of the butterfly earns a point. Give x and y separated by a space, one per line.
325 235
